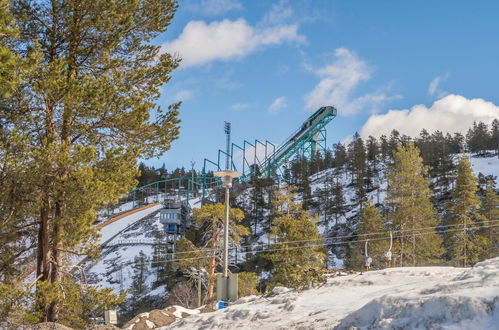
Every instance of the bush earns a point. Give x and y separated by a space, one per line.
247 284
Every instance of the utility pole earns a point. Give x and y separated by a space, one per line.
199 287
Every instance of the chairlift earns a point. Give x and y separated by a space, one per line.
388 254
368 259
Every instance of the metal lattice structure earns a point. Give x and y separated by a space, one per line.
309 139
182 188
304 142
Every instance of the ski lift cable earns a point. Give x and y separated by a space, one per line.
302 246
407 231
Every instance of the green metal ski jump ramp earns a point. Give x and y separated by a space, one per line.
306 141
268 162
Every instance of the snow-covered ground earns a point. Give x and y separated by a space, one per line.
116 227
396 298
486 166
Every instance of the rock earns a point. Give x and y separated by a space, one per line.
154 319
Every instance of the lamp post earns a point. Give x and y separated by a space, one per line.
227 176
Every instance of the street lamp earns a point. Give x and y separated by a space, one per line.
223 290
227 176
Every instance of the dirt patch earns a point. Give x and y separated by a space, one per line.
48 326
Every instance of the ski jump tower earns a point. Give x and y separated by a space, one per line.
308 139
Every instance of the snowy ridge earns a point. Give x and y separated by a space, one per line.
400 298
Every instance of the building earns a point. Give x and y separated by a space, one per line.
176 219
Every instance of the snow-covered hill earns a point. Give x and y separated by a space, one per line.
396 298
115 266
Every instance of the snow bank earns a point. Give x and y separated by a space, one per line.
408 297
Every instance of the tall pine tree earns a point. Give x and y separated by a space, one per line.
464 239
410 210
80 117
371 229
299 256
490 210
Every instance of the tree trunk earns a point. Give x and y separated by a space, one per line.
211 279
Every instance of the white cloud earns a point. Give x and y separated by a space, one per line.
278 104
239 106
280 13
453 113
339 80
435 84
200 42
183 95
215 7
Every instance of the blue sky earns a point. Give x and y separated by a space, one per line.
265 66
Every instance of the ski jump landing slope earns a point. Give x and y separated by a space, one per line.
114 226
395 298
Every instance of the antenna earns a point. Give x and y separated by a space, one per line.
227 149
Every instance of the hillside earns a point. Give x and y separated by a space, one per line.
128 237
415 297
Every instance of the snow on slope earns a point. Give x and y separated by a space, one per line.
114 268
114 228
486 166
396 298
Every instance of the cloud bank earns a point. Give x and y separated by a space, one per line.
453 113
201 43
339 80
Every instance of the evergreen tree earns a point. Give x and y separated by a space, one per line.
357 166
384 147
340 156
465 241
410 209
210 219
80 115
478 138
371 227
140 272
490 210
494 135
296 264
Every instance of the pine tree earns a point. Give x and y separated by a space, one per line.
140 272
357 166
371 229
16 196
210 219
494 135
490 210
340 156
410 210
477 138
295 264
464 240
80 115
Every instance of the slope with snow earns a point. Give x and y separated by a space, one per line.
396 298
